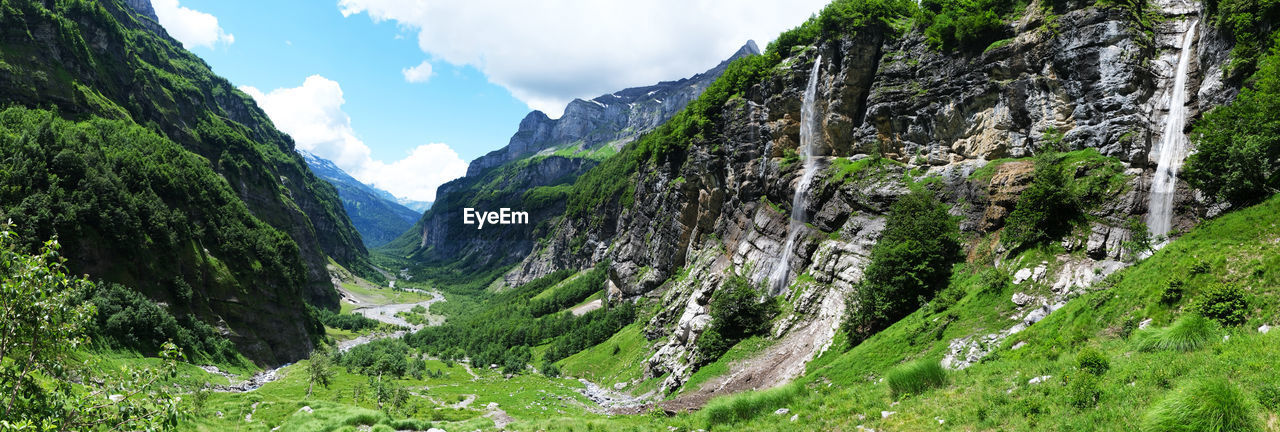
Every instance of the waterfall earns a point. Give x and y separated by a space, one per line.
1173 145
808 136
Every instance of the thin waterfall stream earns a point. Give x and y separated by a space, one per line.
799 202
1172 147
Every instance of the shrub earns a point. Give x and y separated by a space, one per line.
1083 391
1224 303
1139 241
969 25
385 356
1237 158
1046 210
995 281
1172 294
1128 327
736 314
1093 361
351 322
550 369
1204 405
912 261
127 319
916 377
1189 333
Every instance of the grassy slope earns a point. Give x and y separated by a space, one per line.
601 365
843 389
1241 248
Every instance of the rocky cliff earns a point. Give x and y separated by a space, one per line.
613 119
895 113
532 172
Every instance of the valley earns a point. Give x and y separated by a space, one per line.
897 216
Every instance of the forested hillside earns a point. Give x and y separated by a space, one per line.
373 212
239 237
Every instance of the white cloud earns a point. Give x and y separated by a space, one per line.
547 53
418 74
313 115
191 27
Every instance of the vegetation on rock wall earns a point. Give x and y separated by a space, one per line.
134 208
96 58
909 264
1047 209
1237 158
738 310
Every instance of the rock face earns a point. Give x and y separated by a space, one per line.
147 16
613 119
1089 81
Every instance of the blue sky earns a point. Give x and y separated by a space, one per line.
336 74
279 43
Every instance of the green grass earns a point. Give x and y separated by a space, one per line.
847 170
524 397
987 171
1189 333
382 295
916 377
1203 405
745 406
1137 389
549 292
602 365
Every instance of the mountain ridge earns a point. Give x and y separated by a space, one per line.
606 119
375 213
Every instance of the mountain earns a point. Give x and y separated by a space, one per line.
187 194
532 171
613 119
376 214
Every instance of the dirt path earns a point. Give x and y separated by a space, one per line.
776 365
499 417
